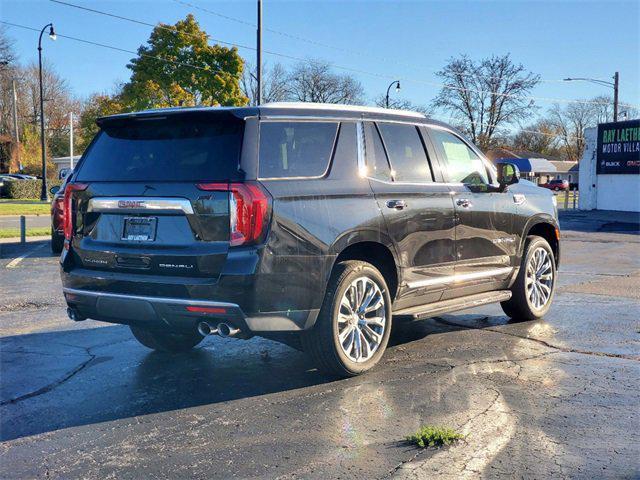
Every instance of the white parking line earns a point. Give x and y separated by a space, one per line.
16 261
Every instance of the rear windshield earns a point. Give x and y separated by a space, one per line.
165 150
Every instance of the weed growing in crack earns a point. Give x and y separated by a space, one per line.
431 436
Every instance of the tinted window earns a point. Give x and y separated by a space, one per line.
377 164
295 149
406 153
165 150
462 164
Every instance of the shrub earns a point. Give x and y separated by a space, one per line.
26 189
430 436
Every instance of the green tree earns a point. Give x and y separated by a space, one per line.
179 67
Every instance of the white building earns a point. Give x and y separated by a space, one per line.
610 167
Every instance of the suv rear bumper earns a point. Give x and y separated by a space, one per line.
180 314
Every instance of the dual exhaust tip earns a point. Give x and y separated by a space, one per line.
223 329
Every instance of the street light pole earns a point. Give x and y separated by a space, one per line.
44 194
395 82
71 140
614 85
259 54
616 79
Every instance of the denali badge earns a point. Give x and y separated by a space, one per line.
175 265
132 204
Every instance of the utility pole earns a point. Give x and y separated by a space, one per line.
259 56
71 140
616 80
16 133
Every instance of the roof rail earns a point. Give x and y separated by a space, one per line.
342 107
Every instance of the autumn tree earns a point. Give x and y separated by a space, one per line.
274 83
401 104
177 67
98 105
537 137
315 81
485 95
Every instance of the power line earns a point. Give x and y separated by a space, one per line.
111 47
340 67
332 47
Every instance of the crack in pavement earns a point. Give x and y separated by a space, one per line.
53 385
537 340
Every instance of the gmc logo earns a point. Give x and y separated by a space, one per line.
131 204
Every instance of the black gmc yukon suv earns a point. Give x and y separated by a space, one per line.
313 225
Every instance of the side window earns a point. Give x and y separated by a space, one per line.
295 149
377 164
463 164
406 153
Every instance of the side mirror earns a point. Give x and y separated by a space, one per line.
55 189
508 174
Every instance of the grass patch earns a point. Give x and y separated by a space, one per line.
24 207
430 436
31 232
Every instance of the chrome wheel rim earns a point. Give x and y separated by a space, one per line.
539 278
362 319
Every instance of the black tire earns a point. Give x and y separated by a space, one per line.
519 306
166 342
57 242
321 342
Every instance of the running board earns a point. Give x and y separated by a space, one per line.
453 305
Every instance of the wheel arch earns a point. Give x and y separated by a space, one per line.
375 251
546 227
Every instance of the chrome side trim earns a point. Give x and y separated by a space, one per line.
362 164
459 278
131 204
163 300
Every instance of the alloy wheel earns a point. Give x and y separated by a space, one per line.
362 319
540 279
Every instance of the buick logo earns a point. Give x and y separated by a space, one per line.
132 204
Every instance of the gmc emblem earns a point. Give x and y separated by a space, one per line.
132 204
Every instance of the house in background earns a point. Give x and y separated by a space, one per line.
63 164
537 167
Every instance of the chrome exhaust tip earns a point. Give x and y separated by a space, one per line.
205 329
225 330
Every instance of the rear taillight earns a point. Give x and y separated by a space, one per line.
68 208
248 210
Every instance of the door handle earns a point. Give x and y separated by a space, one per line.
396 204
464 203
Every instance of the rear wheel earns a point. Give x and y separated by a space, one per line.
57 242
352 329
535 285
166 342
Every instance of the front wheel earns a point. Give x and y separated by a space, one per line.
166 342
533 290
352 329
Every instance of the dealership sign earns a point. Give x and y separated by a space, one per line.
619 147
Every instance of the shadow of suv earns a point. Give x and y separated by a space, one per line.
313 225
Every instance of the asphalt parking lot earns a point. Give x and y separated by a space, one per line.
551 398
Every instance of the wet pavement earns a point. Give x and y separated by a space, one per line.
551 398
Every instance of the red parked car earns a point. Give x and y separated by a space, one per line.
57 217
556 184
